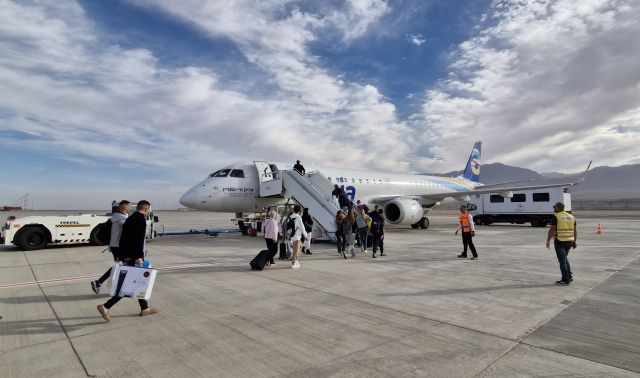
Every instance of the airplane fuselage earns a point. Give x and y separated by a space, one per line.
242 194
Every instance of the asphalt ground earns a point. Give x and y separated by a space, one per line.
420 311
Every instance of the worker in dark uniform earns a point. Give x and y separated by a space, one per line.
564 233
299 167
468 232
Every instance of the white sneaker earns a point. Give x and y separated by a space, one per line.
295 265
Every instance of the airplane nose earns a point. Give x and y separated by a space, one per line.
189 199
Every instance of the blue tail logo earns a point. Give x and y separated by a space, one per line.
472 170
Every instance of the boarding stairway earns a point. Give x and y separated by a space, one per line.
313 191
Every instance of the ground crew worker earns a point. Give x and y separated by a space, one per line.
565 233
468 232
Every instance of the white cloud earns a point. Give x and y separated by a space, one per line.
543 86
416 39
125 105
539 68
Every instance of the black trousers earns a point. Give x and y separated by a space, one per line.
143 303
272 246
341 241
378 242
105 276
467 240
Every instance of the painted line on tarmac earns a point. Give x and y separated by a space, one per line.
82 278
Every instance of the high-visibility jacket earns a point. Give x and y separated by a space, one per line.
464 222
564 226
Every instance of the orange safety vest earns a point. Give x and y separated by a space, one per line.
464 222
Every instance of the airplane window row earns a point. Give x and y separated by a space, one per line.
353 180
380 181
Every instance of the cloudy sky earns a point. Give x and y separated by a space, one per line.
103 100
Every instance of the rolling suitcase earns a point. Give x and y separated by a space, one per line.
283 251
260 260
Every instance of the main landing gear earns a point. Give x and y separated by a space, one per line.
422 223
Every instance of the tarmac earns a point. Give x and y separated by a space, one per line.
418 312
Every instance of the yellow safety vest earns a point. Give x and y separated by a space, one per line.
565 226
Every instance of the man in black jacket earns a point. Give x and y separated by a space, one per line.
299 167
132 251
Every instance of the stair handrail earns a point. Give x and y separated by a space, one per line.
327 199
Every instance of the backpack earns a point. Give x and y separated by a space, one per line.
104 232
291 227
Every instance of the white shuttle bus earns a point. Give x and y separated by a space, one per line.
526 206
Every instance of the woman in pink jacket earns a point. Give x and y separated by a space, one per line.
271 236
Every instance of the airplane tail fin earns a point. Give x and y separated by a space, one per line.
472 169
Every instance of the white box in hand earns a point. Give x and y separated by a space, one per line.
132 281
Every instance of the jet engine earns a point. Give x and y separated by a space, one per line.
403 211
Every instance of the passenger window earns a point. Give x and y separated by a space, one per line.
221 173
353 180
496 198
360 181
520 197
237 173
540 197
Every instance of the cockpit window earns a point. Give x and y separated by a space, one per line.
220 173
237 173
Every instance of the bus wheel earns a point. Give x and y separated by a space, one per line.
536 222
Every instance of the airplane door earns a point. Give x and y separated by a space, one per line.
270 182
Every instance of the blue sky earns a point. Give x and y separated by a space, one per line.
128 99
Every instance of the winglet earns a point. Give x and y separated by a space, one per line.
584 175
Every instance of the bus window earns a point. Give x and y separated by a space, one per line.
496 198
520 197
237 173
540 197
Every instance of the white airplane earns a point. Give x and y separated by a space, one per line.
405 198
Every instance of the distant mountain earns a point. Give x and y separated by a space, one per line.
602 183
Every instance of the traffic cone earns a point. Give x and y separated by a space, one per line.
599 232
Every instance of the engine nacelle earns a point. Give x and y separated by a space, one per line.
403 211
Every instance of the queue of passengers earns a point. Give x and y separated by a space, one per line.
355 223
355 227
